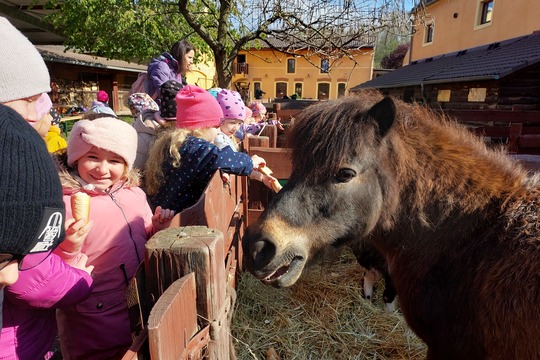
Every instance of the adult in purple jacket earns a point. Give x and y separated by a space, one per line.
171 65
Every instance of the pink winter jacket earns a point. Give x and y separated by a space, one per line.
98 327
29 323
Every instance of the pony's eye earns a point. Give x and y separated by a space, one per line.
345 175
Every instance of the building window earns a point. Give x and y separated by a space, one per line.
325 66
291 66
298 90
486 12
323 91
281 90
341 89
430 29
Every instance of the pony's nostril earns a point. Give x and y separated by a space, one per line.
262 251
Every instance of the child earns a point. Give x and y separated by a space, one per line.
53 139
100 156
150 120
183 160
234 113
146 121
101 104
258 111
31 208
260 119
140 102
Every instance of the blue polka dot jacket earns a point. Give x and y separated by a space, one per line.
200 159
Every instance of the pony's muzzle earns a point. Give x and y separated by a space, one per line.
258 253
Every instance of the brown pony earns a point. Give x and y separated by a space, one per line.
457 223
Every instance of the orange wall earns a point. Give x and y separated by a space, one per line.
269 67
510 18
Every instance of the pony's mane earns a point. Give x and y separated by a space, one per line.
426 155
323 135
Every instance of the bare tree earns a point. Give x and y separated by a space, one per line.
329 29
135 29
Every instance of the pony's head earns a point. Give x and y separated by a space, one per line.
334 194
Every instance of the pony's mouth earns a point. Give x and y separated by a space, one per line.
287 274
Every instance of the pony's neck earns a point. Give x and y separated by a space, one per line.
443 168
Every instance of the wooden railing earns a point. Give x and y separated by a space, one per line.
241 68
181 299
518 130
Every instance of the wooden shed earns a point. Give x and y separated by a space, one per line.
76 78
500 76
494 89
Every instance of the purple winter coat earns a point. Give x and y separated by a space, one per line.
29 328
161 70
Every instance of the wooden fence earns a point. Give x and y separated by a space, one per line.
518 130
181 299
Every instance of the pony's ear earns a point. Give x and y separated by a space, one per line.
384 112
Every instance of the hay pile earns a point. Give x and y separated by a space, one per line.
323 316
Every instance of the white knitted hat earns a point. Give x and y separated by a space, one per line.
23 72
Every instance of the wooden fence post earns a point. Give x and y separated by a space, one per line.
175 252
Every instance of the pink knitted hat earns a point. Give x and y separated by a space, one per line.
249 113
102 96
196 108
232 105
257 108
106 133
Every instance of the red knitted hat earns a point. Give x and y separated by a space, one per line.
196 108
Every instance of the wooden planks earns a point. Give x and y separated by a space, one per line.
173 321
176 252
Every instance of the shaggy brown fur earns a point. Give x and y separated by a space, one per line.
456 221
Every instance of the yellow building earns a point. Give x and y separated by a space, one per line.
279 74
445 26
203 72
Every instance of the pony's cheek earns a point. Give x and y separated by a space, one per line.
366 203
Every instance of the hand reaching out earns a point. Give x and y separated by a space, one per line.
258 161
269 181
225 177
162 218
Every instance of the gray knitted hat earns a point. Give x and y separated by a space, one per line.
23 72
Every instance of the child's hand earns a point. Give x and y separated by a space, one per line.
81 264
225 177
269 181
76 233
256 175
258 161
162 218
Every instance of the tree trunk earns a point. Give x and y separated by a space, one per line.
223 69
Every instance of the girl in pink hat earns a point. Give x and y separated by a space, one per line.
99 162
234 114
183 160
